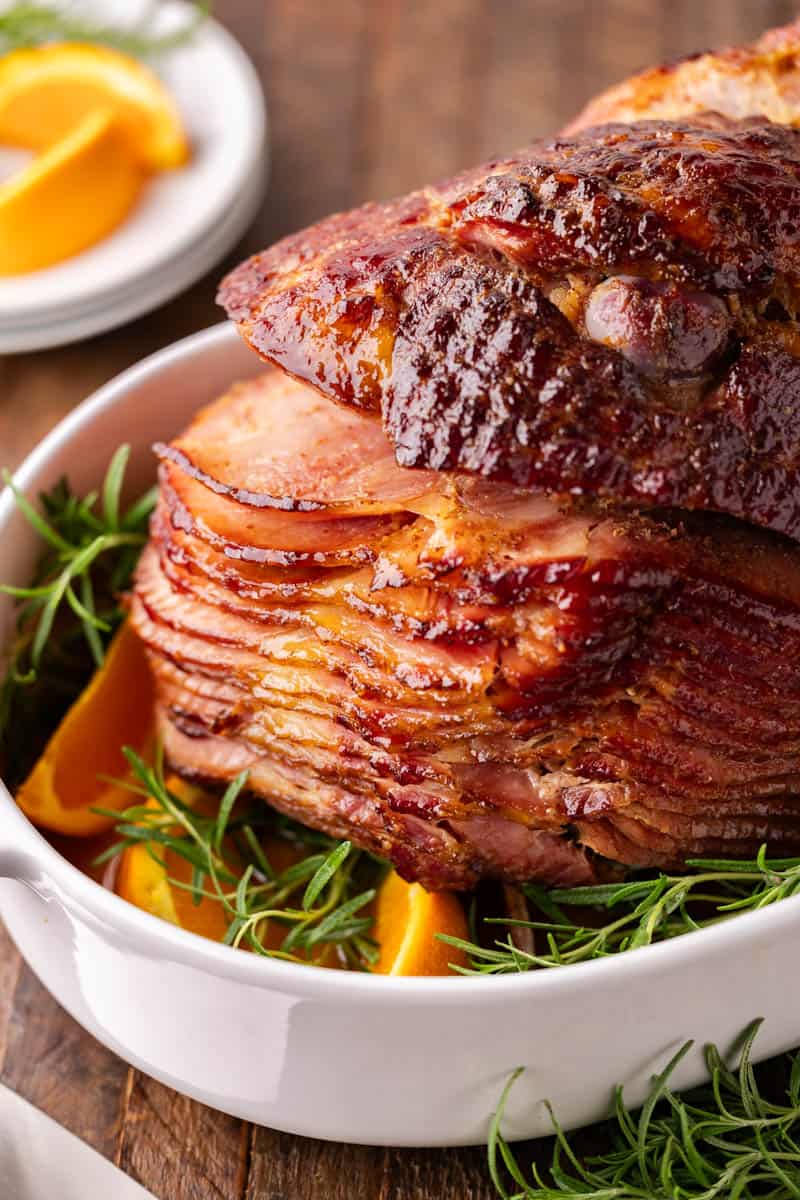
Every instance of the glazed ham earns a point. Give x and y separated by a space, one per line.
466 678
613 313
495 569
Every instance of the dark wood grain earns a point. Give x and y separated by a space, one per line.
176 1147
52 1062
288 1168
10 967
367 98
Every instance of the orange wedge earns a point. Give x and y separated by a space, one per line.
48 90
148 883
70 196
145 882
407 918
115 710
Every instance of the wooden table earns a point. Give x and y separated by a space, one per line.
367 98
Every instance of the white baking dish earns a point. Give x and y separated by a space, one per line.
354 1058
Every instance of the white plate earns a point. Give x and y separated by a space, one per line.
39 1160
220 99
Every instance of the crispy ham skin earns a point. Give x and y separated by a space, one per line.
613 313
466 678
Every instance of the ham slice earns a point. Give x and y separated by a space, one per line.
346 465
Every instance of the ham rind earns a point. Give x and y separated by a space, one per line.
611 313
475 681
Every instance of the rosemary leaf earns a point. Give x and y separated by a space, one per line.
325 872
89 551
226 808
727 1139
27 24
112 486
334 887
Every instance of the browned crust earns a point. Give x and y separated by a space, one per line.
739 81
458 313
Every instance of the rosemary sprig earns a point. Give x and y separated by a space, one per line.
572 928
321 899
30 24
90 547
724 1141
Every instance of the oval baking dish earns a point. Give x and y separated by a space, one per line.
355 1058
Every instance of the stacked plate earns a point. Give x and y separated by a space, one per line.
187 220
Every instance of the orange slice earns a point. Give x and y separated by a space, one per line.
70 196
407 918
115 710
149 882
146 882
48 90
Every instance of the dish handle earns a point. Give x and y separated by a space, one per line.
16 864
17 859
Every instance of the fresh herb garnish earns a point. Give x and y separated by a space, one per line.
569 926
724 1141
29 24
321 899
90 549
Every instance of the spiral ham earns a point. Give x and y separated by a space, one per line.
473 681
495 569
